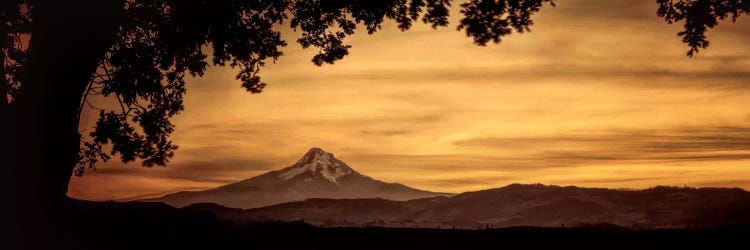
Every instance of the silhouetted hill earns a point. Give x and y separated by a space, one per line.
540 205
131 225
137 225
318 174
518 205
328 212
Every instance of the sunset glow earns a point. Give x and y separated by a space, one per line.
599 94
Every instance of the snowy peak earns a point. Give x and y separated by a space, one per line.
318 163
314 154
317 174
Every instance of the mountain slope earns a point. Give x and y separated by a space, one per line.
318 174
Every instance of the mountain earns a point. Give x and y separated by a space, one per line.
318 174
540 205
518 205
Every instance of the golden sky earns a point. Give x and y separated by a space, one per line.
599 94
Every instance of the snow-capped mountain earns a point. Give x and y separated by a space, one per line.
318 174
320 164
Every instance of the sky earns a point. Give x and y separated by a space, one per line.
599 94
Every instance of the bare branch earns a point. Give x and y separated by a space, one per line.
119 100
92 106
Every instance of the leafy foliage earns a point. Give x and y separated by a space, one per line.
15 24
490 20
699 16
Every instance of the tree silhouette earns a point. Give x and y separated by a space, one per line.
138 53
699 16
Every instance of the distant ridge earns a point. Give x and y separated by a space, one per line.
317 174
519 205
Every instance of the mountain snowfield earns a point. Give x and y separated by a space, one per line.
319 162
318 174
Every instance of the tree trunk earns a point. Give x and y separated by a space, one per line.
69 38
7 151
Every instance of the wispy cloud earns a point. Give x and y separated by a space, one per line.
386 132
678 145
